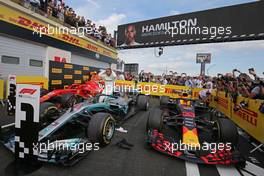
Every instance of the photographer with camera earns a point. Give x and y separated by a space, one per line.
257 91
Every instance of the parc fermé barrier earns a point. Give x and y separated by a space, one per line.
248 118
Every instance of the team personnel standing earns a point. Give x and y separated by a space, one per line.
109 77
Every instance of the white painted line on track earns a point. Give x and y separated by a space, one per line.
245 173
254 169
227 171
192 169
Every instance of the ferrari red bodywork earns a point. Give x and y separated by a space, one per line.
86 90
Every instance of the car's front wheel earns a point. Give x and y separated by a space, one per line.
101 128
47 110
142 102
155 120
227 131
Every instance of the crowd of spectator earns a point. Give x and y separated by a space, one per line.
174 79
236 83
66 15
242 84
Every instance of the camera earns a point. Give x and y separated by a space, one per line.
236 70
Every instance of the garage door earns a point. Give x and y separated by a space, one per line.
80 60
20 57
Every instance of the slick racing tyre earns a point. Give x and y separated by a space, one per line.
164 101
155 120
101 128
142 102
67 100
46 111
227 131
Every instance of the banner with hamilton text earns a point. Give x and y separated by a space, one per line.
232 23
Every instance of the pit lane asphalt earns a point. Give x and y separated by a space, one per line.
114 161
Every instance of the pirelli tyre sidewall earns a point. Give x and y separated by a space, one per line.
108 125
47 110
101 128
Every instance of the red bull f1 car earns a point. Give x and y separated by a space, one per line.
180 129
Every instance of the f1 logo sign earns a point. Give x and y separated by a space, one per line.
28 91
27 122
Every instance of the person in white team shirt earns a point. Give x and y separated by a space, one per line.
109 77
205 94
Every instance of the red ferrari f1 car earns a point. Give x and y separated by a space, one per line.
181 129
50 102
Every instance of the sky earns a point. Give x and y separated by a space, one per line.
225 56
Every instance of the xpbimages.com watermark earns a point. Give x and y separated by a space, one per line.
189 26
146 88
212 147
80 147
58 30
192 30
